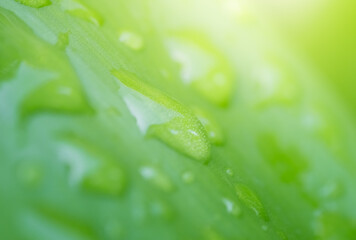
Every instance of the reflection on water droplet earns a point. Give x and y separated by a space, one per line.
132 40
157 178
203 67
78 9
249 198
35 3
231 207
162 117
212 128
93 169
188 177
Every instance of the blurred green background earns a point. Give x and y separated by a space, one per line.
179 119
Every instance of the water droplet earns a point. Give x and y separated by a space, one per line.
78 9
62 41
132 40
93 169
212 128
264 227
35 3
188 177
249 198
162 117
59 95
231 207
157 178
229 172
30 173
203 67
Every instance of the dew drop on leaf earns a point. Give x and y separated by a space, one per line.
162 117
229 172
188 177
231 207
212 128
157 178
250 199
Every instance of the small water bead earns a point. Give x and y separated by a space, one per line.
203 67
59 95
231 207
188 177
131 40
157 178
78 9
229 172
35 3
215 134
250 199
164 118
264 227
93 169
